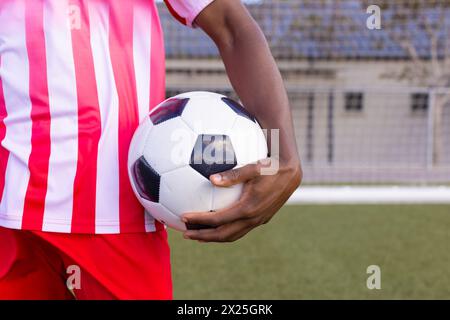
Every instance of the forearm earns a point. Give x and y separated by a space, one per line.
257 80
254 74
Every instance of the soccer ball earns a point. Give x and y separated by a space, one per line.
183 141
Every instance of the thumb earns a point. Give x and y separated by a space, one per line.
235 176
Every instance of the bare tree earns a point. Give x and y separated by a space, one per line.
421 29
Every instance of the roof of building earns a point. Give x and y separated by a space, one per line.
302 29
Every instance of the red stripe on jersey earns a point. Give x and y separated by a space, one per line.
4 153
38 162
89 127
174 13
121 48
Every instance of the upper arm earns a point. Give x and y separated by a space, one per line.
225 20
222 20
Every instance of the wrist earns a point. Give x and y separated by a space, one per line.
292 167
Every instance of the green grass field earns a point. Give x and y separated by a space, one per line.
322 252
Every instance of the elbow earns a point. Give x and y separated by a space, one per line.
229 25
226 36
233 35
297 175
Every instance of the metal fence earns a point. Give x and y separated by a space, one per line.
372 136
369 106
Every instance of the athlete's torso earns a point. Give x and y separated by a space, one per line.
75 78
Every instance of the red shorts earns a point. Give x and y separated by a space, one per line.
39 265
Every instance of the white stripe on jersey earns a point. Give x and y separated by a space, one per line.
62 94
107 202
15 79
141 55
142 33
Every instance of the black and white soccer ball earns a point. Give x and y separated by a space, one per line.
183 141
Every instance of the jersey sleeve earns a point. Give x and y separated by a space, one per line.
185 11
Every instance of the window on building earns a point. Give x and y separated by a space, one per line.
419 102
354 101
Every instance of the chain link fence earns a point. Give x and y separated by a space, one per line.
370 106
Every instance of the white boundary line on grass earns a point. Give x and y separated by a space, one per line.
371 195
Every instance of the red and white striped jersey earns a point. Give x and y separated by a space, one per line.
76 76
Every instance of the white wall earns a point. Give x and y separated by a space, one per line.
387 136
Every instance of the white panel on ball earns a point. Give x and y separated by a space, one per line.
208 114
197 94
225 197
248 141
137 146
169 145
185 190
262 149
162 214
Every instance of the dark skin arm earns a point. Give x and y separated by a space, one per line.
257 80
